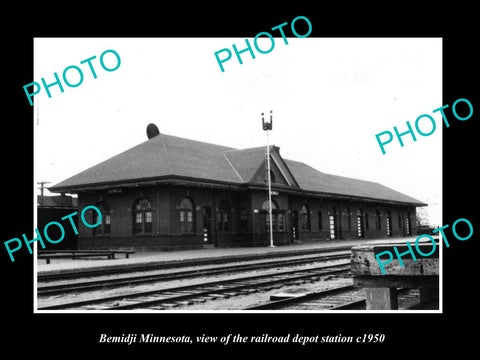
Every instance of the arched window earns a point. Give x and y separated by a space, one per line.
104 227
278 218
142 216
223 216
265 205
305 217
186 216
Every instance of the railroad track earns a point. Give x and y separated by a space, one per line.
113 282
329 299
141 267
339 298
168 298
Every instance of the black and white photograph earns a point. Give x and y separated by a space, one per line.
242 189
224 183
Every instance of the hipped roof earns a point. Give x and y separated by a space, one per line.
171 157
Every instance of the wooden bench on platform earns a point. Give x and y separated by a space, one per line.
75 254
380 288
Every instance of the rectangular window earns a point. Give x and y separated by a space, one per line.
243 220
219 221
187 224
367 227
148 221
281 222
320 220
222 221
267 221
190 226
106 227
138 223
225 222
305 221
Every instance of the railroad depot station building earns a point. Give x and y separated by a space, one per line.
174 193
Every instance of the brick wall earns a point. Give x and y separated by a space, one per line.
166 234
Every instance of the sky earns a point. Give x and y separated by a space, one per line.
329 97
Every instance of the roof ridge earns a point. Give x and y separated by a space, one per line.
251 148
236 172
201 142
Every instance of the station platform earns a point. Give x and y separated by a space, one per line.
183 257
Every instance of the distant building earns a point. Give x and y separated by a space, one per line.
174 193
53 208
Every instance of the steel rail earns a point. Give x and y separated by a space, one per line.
301 298
128 268
212 287
355 304
141 279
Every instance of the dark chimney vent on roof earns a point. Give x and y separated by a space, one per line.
152 131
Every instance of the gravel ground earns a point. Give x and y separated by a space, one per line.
242 302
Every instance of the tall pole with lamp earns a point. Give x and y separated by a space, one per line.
266 127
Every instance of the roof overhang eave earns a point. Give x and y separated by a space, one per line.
203 183
174 180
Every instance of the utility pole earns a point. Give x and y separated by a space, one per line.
266 127
42 184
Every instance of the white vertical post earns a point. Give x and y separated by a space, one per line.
269 192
